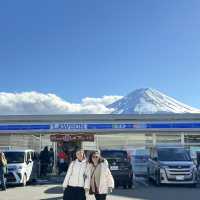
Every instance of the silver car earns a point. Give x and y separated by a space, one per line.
139 160
171 165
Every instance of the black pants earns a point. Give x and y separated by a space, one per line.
100 196
43 169
2 178
76 193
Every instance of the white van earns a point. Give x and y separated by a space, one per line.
22 166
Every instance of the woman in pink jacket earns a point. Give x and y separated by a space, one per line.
101 180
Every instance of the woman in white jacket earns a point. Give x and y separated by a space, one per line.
75 181
99 176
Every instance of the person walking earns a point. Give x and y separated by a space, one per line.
3 170
44 161
51 160
76 180
101 179
62 162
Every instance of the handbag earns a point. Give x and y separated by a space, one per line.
5 170
90 190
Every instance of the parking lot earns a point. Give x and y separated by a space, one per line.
50 187
141 191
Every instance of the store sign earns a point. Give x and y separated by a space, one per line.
67 138
67 126
54 127
83 126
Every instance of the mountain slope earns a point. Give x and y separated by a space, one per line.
149 101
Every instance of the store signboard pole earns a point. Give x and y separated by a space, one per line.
55 157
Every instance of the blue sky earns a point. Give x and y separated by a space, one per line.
93 48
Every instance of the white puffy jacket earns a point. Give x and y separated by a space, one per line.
106 178
76 174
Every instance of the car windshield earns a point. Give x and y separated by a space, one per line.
114 154
14 157
140 156
173 154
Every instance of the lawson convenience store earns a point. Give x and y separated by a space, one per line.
104 131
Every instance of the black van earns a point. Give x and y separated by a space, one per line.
120 167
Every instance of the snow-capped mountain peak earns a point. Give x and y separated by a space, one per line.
149 101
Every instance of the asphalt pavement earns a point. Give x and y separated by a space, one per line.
142 191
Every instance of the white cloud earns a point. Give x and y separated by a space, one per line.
39 103
105 100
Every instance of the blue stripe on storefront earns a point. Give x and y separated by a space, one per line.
103 126
173 125
99 126
110 126
24 127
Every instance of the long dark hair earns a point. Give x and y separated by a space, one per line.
74 154
101 159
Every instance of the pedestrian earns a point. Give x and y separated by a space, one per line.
51 160
62 162
44 161
76 180
101 179
3 170
67 159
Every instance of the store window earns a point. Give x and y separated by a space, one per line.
192 139
168 139
149 140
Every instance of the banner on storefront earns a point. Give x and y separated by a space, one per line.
68 138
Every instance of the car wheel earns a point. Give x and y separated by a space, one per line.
148 176
157 179
130 184
24 182
124 186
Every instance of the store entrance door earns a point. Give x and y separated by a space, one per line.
66 145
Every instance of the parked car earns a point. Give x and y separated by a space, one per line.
23 166
120 167
171 165
139 160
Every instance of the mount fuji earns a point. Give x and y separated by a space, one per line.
149 101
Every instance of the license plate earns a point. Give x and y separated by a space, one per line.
179 178
114 167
